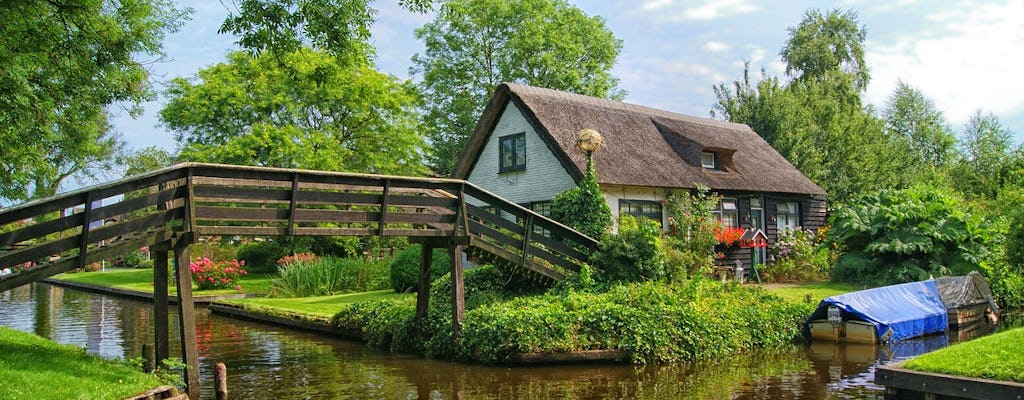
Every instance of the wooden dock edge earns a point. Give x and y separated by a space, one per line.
294 321
137 295
902 383
159 393
573 357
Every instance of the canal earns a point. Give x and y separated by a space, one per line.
270 362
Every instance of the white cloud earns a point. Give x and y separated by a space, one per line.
716 46
655 4
715 9
969 62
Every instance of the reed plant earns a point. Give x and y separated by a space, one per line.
325 276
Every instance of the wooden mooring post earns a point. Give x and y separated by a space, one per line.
220 380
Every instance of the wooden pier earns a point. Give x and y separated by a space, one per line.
904 384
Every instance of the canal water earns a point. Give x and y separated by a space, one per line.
270 362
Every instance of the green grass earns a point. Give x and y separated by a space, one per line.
817 291
141 280
32 367
319 306
996 356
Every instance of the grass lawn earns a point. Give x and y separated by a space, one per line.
142 280
319 306
817 291
996 356
32 367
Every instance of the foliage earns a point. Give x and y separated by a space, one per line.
827 46
905 235
405 268
583 207
310 276
988 357
691 235
66 64
988 157
799 256
474 45
300 109
341 27
141 280
261 256
145 160
38 368
1015 237
210 275
634 253
133 259
914 117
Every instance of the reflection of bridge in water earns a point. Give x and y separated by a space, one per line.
170 208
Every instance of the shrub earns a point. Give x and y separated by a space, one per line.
405 268
261 256
146 263
209 274
799 256
583 207
311 276
634 253
133 259
692 227
905 235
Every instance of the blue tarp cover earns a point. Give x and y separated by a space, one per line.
903 311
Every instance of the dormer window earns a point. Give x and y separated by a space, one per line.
709 160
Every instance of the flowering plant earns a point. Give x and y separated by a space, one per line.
728 236
209 274
299 257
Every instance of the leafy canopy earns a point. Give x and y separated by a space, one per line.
302 109
65 63
474 45
583 207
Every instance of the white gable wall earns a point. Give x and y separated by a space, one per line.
544 176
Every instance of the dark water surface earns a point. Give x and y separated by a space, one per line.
270 362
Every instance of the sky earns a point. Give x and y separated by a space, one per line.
963 55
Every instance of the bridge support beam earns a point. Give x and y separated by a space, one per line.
161 334
187 315
423 287
458 289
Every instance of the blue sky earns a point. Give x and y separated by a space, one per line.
964 55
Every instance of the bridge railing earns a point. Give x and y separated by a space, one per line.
49 236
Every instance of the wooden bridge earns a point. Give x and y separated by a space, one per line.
170 208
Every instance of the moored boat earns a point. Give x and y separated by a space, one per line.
880 315
968 299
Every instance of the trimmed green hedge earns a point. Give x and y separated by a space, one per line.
405 268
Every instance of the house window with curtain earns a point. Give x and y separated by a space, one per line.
641 208
787 216
709 160
728 213
512 152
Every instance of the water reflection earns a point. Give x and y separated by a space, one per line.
265 361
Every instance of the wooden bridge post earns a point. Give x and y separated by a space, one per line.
187 315
458 289
423 288
161 336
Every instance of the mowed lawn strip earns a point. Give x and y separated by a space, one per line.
32 367
997 356
816 291
141 280
318 306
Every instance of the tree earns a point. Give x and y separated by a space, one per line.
914 117
987 157
474 45
64 64
145 160
302 109
583 207
827 47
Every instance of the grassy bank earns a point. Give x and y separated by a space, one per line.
812 292
141 280
995 356
317 306
32 367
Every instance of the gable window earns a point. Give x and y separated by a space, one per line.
641 208
709 160
788 216
728 213
512 152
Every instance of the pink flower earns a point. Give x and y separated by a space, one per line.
238 288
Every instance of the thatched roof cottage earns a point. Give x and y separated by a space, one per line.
524 149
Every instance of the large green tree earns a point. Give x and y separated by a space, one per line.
64 64
827 47
988 157
302 109
474 45
915 118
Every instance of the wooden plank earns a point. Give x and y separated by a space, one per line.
458 290
514 259
423 283
559 247
187 317
482 214
493 235
947 385
161 329
223 194
339 198
292 206
241 214
553 258
383 208
528 228
242 231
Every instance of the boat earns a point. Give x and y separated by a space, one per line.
968 299
880 315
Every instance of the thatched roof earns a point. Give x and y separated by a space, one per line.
643 146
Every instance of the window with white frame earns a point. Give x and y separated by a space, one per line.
728 213
787 215
641 208
709 160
